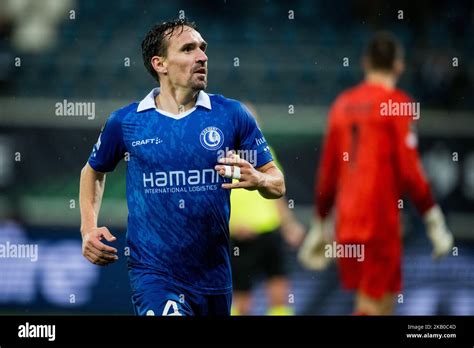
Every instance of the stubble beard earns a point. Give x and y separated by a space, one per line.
199 84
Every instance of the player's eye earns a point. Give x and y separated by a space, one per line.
187 49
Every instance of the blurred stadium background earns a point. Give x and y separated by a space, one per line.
290 68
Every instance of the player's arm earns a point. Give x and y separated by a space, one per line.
106 154
91 190
412 178
270 182
267 179
415 184
327 175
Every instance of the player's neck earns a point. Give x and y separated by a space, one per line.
382 79
175 100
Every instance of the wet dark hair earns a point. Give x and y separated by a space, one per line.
383 50
155 41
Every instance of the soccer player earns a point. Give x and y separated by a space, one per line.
179 178
369 162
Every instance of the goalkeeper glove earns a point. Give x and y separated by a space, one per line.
311 253
438 233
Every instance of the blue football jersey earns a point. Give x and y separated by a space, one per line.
178 212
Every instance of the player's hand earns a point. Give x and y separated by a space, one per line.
293 233
441 238
94 250
235 167
312 253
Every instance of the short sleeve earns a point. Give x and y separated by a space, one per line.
251 137
110 147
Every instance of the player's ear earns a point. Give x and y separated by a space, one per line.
159 64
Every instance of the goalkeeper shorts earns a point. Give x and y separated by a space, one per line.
378 273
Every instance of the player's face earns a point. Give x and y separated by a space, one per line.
186 61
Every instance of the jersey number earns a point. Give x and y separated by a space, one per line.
174 305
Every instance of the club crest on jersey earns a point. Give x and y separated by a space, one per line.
211 138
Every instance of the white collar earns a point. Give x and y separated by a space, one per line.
149 103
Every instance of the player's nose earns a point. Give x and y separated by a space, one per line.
201 57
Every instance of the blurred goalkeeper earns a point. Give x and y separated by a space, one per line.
369 162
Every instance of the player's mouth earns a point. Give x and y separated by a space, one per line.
201 71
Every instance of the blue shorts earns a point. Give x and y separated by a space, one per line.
153 295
